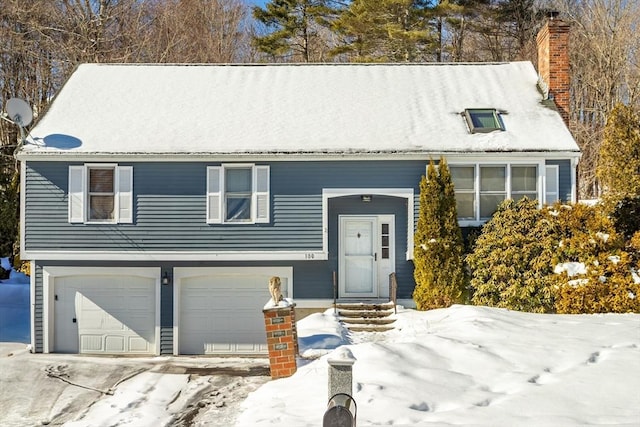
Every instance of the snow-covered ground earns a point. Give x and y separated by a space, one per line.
463 365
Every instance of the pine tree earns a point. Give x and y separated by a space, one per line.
386 31
295 27
619 165
438 251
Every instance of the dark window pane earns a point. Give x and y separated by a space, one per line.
385 240
238 208
484 119
489 204
385 228
101 180
385 253
238 180
101 207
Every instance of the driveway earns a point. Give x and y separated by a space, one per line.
54 389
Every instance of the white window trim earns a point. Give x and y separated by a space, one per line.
216 196
78 194
477 221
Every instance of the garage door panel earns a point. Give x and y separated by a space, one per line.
92 343
114 314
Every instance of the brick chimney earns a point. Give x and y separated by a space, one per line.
553 62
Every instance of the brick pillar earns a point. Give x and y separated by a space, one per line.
553 63
282 340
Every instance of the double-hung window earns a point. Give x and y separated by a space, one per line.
480 188
463 178
238 193
493 189
100 193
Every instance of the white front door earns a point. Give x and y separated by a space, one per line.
366 255
357 270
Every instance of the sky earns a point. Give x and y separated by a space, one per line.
463 365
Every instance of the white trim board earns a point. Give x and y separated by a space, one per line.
406 193
311 255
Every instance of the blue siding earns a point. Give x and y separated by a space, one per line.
170 203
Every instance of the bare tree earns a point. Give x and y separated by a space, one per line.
605 70
199 31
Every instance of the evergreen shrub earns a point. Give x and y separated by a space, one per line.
587 235
511 263
438 247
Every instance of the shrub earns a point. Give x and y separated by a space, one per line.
585 234
511 260
607 287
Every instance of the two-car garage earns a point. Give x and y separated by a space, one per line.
100 310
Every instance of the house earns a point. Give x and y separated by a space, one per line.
159 199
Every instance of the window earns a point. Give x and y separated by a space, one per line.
552 190
384 244
483 120
100 193
481 188
492 189
237 194
463 178
524 182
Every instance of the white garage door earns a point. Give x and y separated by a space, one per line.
221 312
104 314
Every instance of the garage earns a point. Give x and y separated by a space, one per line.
218 311
97 312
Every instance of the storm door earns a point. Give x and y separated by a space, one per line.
358 256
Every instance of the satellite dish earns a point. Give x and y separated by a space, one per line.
19 112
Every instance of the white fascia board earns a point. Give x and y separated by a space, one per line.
284 156
509 157
175 256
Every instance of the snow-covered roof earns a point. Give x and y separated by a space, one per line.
111 109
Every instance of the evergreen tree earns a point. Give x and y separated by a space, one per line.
295 29
386 31
619 165
438 251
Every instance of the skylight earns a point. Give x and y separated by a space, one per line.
483 120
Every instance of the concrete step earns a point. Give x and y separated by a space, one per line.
366 316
